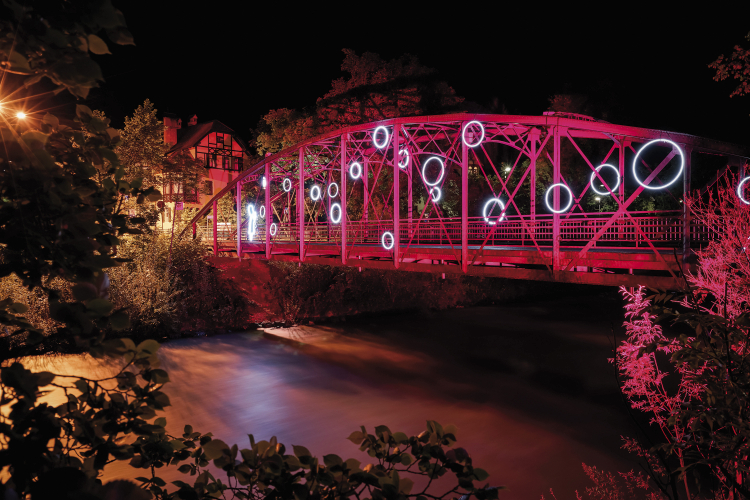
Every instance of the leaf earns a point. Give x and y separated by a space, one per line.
301 451
44 378
215 449
356 437
405 485
84 291
331 460
19 308
480 474
149 346
161 422
159 376
119 321
177 445
97 45
101 307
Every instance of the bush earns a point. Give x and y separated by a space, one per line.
312 291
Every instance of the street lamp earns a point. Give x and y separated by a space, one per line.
599 200
507 169
21 115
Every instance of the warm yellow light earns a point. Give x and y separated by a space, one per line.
20 115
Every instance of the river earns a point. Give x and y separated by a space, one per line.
527 384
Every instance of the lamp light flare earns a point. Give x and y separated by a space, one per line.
252 221
333 184
549 190
679 173
383 239
474 124
442 171
404 153
315 193
380 145
593 175
486 213
435 194
356 166
263 182
335 206
739 191
287 185
273 229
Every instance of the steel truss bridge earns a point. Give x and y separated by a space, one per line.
559 197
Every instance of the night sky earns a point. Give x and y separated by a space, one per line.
234 61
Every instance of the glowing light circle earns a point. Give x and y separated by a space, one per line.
329 190
593 174
335 206
359 170
393 240
463 134
252 221
315 193
435 194
486 214
375 142
262 211
273 229
682 163
287 185
442 171
405 154
739 191
549 190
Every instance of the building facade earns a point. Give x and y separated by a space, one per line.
216 147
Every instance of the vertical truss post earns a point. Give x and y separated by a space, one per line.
410 207
238 205
621 189
342 197
464 205
686 223
365 179
534 133
215 208
269 212
396 234
301 204
556 264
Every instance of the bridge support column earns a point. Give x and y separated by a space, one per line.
686 218
365 170
410 207
215 211
464 205
396 214
342 198
301 204
238 205
532 187
269 212
556 264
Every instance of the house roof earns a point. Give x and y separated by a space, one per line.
190 137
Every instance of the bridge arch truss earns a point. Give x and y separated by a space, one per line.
490 195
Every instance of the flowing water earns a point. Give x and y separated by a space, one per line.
528 385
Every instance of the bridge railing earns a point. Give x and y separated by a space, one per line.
636 230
